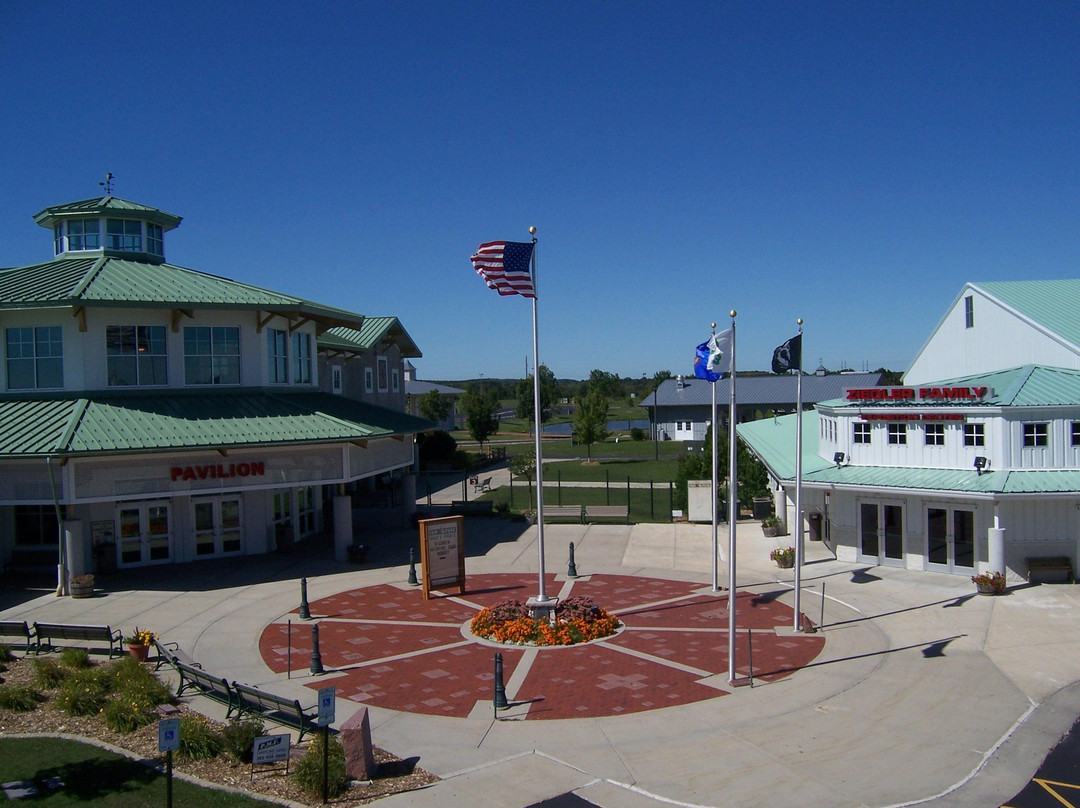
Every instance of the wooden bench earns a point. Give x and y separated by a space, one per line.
1050 570
17 628
479 485
274 708
47 632
214 687
607 512
575 512
172 653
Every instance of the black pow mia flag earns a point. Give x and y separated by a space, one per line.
788 356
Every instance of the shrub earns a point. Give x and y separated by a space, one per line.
75 658
238 737
21 699
129 673
5 654
84 692
199 739
129 709
637 433
48 673
308 771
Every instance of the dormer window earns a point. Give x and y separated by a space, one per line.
121 235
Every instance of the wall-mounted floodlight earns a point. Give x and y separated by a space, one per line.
838 459
981 464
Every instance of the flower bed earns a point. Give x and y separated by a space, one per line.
577 620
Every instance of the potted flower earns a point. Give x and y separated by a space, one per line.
139 642
989 583
82 586
784 557
770 526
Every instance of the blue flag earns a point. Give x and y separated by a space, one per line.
712 359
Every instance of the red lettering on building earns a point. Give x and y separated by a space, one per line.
218 471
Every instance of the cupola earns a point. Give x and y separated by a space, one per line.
108 225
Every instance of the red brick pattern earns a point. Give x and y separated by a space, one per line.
395 650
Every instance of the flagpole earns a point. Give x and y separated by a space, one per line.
715 489
733 493
541 596
798 487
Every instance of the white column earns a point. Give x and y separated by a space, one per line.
780 507
76 553
995 543
343 537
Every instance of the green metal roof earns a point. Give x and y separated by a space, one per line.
370 333
111 281
109 423
773 441
105 205
1051 304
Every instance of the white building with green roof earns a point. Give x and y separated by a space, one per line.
956 473
170 415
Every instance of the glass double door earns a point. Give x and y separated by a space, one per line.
145 533
881 533
218 525
950 539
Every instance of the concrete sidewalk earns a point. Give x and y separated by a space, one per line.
924 691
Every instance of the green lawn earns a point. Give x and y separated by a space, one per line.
645 505
93 775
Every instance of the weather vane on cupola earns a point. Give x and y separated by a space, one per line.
107 184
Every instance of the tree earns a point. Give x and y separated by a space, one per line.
523 465
753 476
481 414
590 420
434 406
549 394
607 383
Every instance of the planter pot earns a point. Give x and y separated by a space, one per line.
81 590
786 565
139 652
770 531
987 589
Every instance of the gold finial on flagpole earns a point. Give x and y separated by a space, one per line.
714 326
532 230
733 313
799 321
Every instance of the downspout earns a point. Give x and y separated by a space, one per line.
61 570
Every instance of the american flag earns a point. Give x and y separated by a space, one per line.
504 266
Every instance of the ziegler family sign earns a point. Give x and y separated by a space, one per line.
442 553
918 394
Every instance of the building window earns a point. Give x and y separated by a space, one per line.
395 380
384 379
211 355
277 347
301 344
969 312
861 433
123 234
155 244
974 435
36 526
1076 433
335 378
35 358
935 434
1035 434
898 433
136 355
84 234
369 380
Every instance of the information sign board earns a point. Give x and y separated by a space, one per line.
442 553
327 705
168 735
270 749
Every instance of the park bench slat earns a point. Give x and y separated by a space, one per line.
214 687
17 628
47 632
274 708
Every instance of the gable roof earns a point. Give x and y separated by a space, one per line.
371 332
1050 304
110 281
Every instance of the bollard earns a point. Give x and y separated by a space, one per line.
571 570
750 653
316 657
821 622
412 567
500 689
305 613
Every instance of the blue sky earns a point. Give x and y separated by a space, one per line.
853 164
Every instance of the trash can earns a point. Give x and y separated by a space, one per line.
762 507
815 526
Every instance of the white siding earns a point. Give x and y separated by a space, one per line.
998 339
